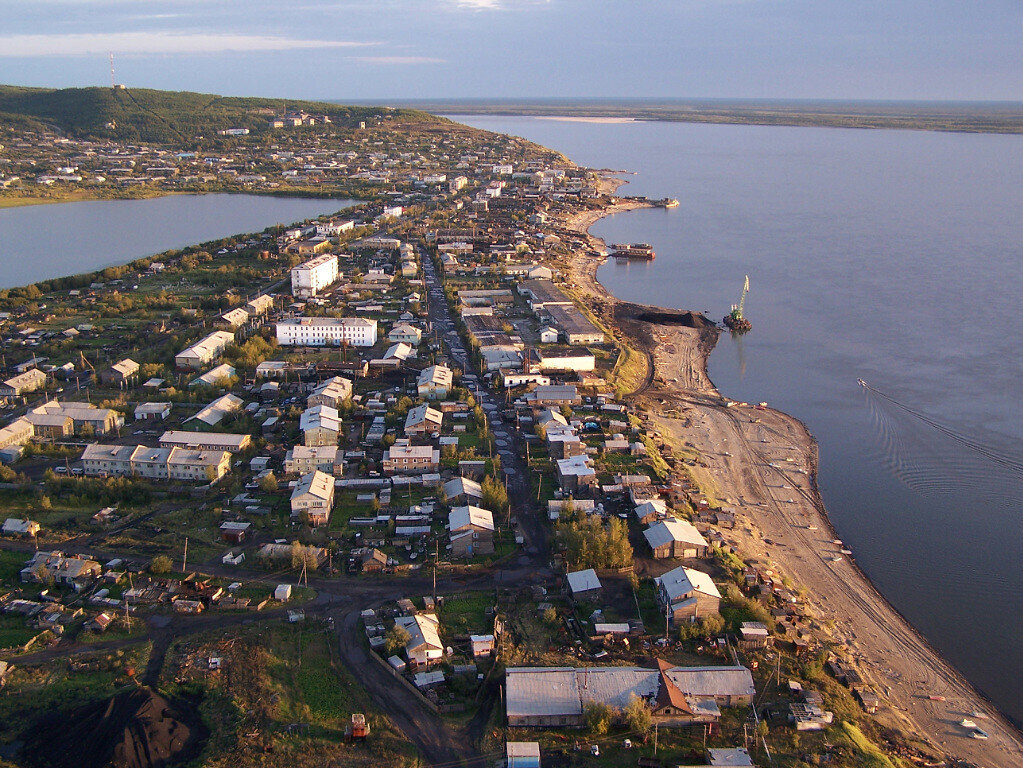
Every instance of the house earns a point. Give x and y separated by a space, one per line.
423 420
303 459
399 352
575 473
313 498
120 372
404 333
152 411
675 538
402 458
332 393
372 560
83 415
51 426
553 394
688 593
17 527
203 351
236 317
650 510
63 569
584 584
424 646
29 381
435 382
481 645
472 531
320 425
99 623
462 489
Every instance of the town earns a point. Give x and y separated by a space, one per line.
403 435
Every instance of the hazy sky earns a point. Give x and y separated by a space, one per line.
362 49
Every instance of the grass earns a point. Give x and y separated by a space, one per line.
14 633
11 564
869 755
467 614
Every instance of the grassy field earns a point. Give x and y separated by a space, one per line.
467 614
14 632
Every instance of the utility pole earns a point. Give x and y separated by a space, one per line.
655 738
184 558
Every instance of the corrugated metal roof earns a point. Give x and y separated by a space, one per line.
542 691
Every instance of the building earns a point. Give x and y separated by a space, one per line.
543 294
435 382
29 381
18 432
327 331
584 584
120 372
83 415
405 333
219 376
308 279
522 754
51 426
63 569
303 459
402 458
424 646
320 425
236 317
675 538
14 526
207 441
189 464
472 531
197 465
259 306
554 394
313 498
152 411
678 696
688 594
204 351
215 412
333 392
575 473
575 326
463 489
423 420
561 361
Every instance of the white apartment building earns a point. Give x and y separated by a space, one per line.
313 276
327 331
204 351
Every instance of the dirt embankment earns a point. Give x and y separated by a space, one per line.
134 729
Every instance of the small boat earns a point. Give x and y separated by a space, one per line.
967 723
937 698
977 733
979 715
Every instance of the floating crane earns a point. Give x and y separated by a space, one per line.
735 319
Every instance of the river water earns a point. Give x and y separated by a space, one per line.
892 256
38 242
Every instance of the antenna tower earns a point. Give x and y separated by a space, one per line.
113 82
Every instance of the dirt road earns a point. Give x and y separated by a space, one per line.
763 463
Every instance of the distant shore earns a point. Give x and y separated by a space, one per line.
740 453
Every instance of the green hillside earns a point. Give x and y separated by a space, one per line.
142 114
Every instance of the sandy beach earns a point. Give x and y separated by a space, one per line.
762 464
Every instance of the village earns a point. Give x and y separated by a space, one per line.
402 425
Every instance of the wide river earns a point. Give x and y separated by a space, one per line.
892 256
38 242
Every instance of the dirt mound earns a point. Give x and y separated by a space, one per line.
134 729
665 317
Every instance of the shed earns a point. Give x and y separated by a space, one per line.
584 583
283 593
523 754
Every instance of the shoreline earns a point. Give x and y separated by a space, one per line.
741 449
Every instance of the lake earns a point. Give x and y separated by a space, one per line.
38 242
892 256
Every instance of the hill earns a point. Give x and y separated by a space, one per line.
142 114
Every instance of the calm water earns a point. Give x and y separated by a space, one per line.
895 256
43 241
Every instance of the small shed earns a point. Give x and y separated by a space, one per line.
283 593
583 584
523 754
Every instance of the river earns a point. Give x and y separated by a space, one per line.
892 256
38 242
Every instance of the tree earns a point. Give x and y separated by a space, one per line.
268 483
302 554
495 496
160 565
397 637
598 716
637 714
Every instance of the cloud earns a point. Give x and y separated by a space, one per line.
495 5
397 60
156 43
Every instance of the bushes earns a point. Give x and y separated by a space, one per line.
590 544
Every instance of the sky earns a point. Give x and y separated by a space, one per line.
963 50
